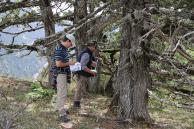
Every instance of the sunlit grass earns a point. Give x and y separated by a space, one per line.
41 114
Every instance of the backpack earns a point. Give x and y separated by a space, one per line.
53 73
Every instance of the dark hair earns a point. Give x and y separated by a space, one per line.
92 44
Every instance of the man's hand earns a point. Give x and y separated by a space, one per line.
71 62
93 72
94 64
62 64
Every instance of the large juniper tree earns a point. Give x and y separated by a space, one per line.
133 77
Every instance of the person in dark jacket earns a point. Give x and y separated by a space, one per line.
86 58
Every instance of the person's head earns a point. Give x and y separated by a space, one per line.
92 45
68 40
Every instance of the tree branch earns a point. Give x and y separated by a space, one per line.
14 5
29 19
169 102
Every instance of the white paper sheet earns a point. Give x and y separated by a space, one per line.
76 67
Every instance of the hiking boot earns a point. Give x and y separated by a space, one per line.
64 118
67 112
76 104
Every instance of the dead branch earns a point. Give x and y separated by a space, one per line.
14 5
181 70
182 94
28 30
3 95
11 48
183 13
105 118
170 103
10 119
164 73
173 63
75 27
29 19
142 38
20 20
184 91
19 47
46 41
175 89
185 54
179 49
102 23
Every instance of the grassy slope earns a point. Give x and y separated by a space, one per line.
40 114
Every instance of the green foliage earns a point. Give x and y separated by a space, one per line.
176 3
39 42
165 2
186 3
39 92
181 59
191 52
158 45
193 121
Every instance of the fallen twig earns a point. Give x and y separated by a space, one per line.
169 102
105 118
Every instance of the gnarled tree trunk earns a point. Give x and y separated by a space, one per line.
133 77
80 11
49 27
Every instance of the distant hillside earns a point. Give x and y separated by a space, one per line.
21 67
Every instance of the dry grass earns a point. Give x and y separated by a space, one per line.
41 114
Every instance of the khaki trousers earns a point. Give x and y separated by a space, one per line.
61 93
80 91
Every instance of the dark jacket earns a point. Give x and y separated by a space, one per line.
89 64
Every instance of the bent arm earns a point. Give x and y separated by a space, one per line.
62 64
84 61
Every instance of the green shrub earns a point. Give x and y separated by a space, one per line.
193 121
38 92
83 127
